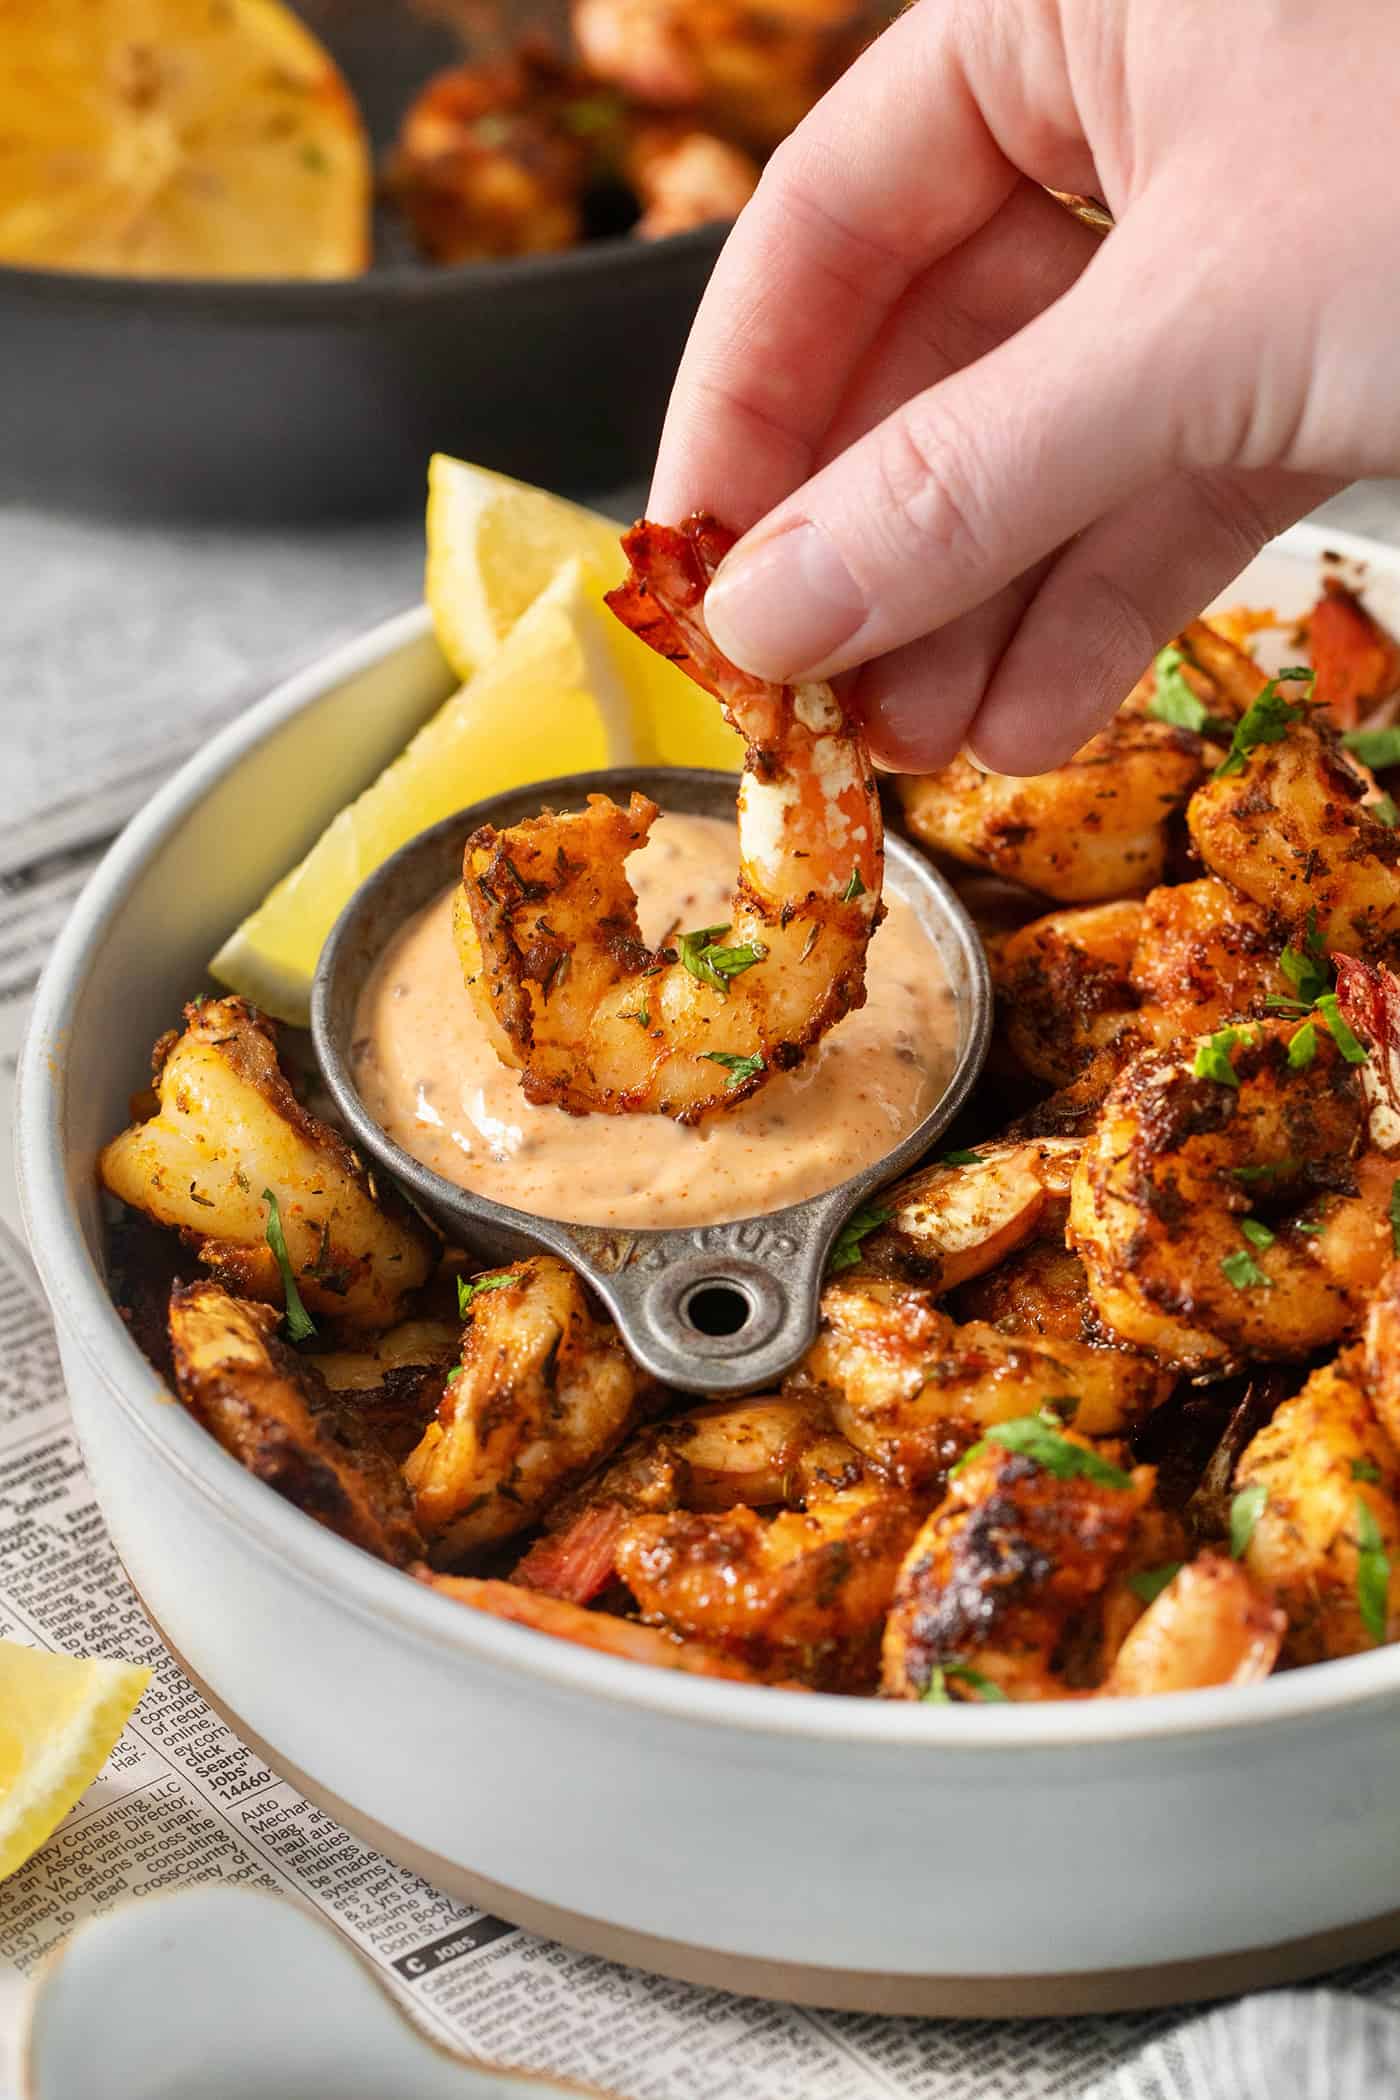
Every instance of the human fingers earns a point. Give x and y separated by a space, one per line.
1027 255
917 702
1108 603
977 478
850 210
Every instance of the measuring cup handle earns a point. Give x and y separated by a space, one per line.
719 1308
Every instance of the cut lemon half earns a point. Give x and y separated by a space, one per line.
177 138
59 1718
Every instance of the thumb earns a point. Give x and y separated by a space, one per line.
974 480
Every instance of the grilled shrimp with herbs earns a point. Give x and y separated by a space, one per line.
223 1152
1229 1203
546 921
543 1391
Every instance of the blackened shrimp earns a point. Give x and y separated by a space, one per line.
1293 828
1323 1482
547 923
999 1593
1229 1204
542 1393
912 1387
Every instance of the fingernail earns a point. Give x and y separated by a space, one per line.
780 607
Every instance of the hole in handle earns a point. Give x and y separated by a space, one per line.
717 1308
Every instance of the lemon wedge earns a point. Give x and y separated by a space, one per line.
59 1718
515 581
493 545
156 138
546 704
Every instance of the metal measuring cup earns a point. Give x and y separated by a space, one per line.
713 1309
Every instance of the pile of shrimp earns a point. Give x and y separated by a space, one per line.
1105 1400
658 122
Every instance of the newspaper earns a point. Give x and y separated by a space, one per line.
183 1801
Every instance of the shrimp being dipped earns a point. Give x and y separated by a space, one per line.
547 920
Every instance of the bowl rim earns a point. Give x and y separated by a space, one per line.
344 301
377 1593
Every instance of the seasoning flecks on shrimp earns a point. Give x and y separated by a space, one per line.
912 1387
1090 830
552 951
1010 1566
1325 1536
769 1450
1228 1204
542 1393
1291 826
220 1132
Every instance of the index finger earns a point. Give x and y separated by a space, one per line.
894 167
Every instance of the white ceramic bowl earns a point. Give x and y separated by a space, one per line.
959 1859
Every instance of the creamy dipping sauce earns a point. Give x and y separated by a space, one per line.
428 1075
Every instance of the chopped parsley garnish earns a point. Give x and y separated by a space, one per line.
854 888
641 1015
1307 968
1212 1059
1174 701
1308 1225
1244 1272
1376 748
712 964
961 1673
1352 1049
1149 1583
467 1291
1060 1407
1269 1173
1365 1469
959 1159
300 1325
738 1068
1372 1572
1257 1234
1245 1511
845 1251
1302 1047
1033 1437
1267 721
1384 811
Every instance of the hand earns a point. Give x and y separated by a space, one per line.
990 455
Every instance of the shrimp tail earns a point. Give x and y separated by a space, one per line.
662 598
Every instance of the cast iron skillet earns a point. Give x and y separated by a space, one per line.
279 400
